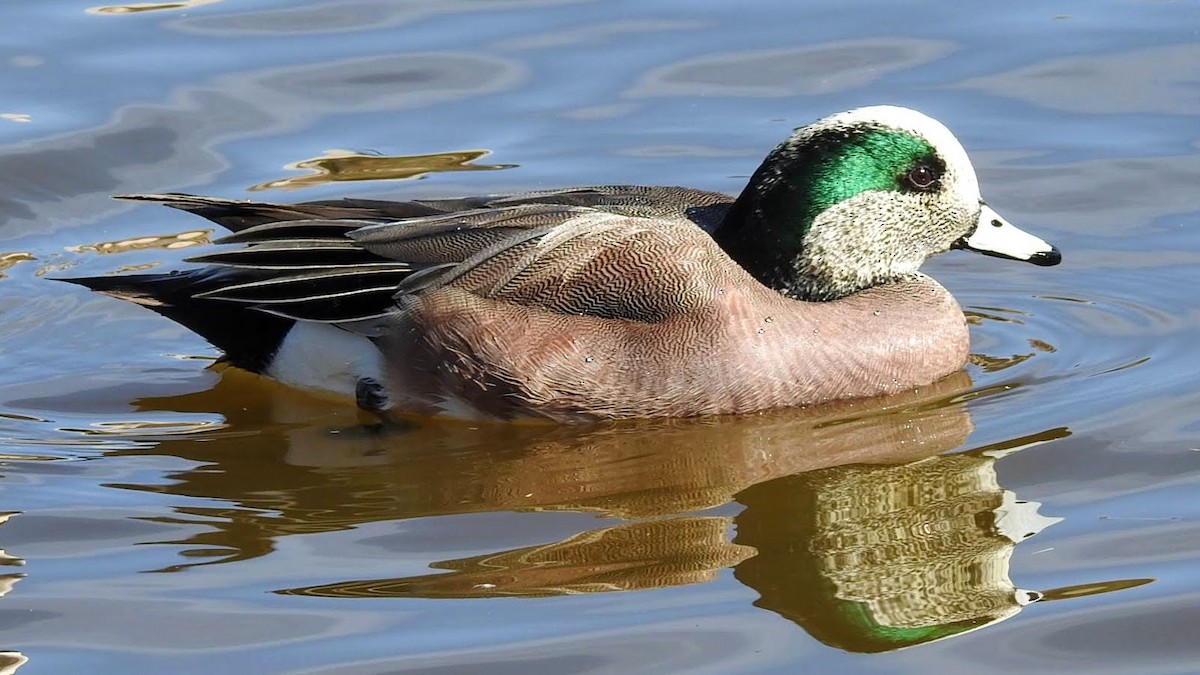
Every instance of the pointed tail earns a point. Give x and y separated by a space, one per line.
249 338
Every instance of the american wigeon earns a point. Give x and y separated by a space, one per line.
610 301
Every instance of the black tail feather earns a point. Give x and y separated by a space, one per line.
248 337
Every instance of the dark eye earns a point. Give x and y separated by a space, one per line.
923 177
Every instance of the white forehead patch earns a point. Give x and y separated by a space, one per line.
960 173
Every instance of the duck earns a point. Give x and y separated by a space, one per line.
612 301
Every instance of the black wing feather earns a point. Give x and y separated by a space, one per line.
346 260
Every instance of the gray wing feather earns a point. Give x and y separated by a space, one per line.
346 261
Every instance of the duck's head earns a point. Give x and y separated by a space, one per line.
862 198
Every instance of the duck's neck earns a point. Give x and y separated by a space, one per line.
764 233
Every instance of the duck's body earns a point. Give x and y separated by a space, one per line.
614 301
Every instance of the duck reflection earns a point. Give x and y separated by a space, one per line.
8 579
854 526
864 558
874 558
10 660
284 463
339 165
634 556
135 7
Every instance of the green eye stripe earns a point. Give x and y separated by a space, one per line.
850 164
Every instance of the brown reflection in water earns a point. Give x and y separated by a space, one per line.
992 364
337 166
310 468
10 661
7 260
977 315
854 527
139 428
133 7
1042 346
875 558
185 239
864 558
140 267
635 556
1094 588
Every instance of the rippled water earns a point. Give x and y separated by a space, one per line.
1034 514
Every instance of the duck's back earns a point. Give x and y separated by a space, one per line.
703 207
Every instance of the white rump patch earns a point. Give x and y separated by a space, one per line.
324 357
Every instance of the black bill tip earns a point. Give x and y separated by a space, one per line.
1046 258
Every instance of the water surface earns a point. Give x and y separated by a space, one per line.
1032 514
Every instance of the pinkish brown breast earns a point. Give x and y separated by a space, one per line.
749 349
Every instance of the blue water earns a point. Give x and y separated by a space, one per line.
171 517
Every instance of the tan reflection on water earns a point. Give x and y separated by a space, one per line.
7 260
992 364
337 166
11 661
639 555
1094 588
133 429
133 7
876 558
311 455
185 239
977 315
854 527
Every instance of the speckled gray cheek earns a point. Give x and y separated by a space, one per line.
873 238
